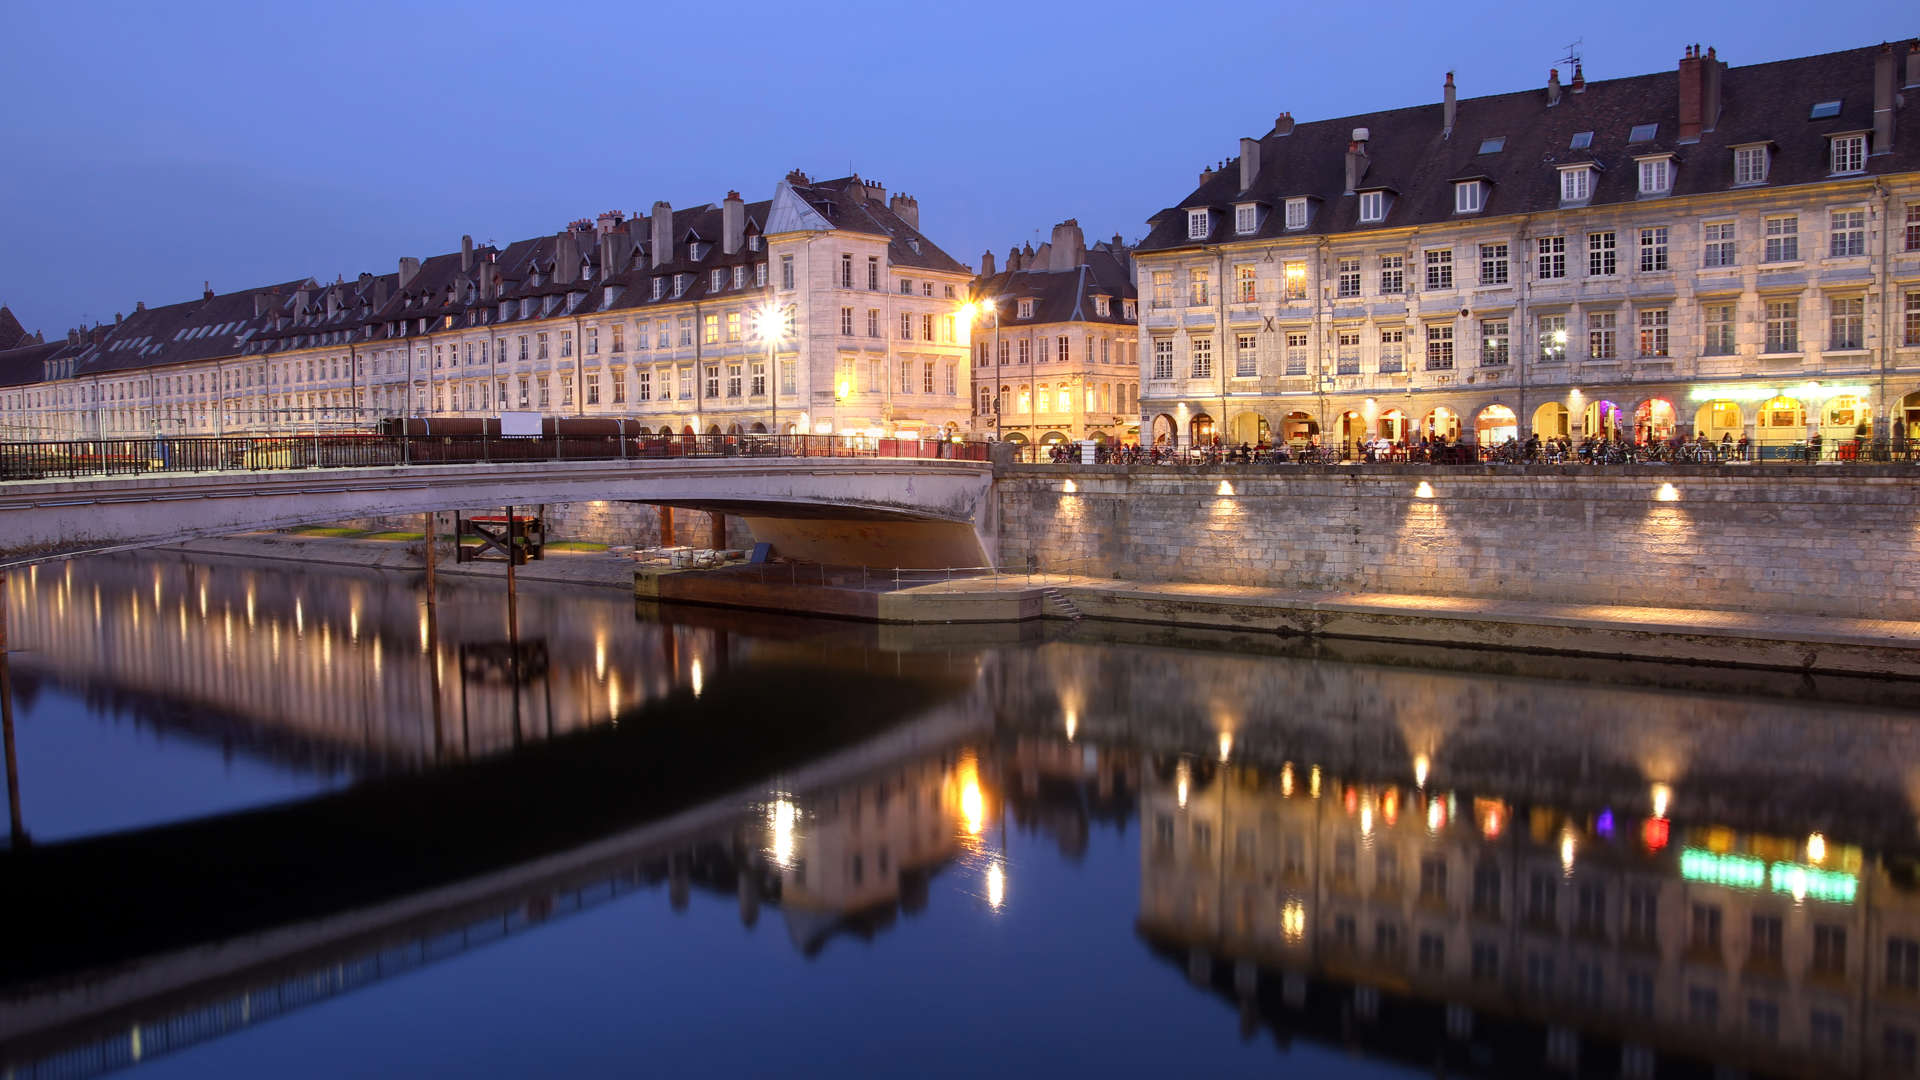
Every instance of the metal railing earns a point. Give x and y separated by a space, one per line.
882 578
260 453
1847 452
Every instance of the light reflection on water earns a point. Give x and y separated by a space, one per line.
1704 875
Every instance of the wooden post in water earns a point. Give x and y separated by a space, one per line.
666 526
17 826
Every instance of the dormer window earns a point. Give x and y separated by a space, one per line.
1246 218
659 287
717 281
1102 306
1468 197
1198 225
1848 153
1576 184
1024 309
1373 206
680 283
1656 175
1750 164
1127 309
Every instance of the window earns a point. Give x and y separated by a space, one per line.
1911 327
712 333
717 280
1102 306
1763 944
1897 1049
1576 185
786 272
1719 323
1550 257
593 390
1493 264
1386 938
1246 359
1296 356
733 326
1347 352
873 273
1653 333
1246 218
545 395
1717 244
713 381
1849 153
1763 1019
906 326
1494 339
1656 176
1293 279
1783 326
1129 310
1653 249
1783 238
1601 254
1642 133
1347 278
873 323
1847 233
1296 214
739 277
846 271
680 282
1467 197
1373 206
1846 322
643 386
1601 334
1026 350
788 377
619 338
1439 268
1245 284
1162 288
1393 274
926 328
926 288
1553 338
1064 349
1024 309
1393 345
1912 235
1903 964
1163 358
1197 281
926 377
1439 346
1829 949
1706 928
760 275
1197 225
1749 164
1202 348
1386 868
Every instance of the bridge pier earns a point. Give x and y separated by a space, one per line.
718 537
666 526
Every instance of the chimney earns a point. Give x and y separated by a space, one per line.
301 298
116 318
139 305
907 209
1692 95
73 336
488 294
260 303
1553 87
662 234
1283 125
1883 83
1446 131
1913 66
1013 259
986 263
206 290
333 301
409 266
733 223
1249 162
1710 91
1068 248
466 254
1356 159
566 258
1579 83
616 249
607 222
380 293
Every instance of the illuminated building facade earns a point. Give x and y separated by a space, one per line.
1054 346
823 309
1725 251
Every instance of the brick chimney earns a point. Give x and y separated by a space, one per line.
1692 95
466 254
906 208
1883 86
206 290
733 223
1013 259
1579 83
1553 87
1283 125
986 263
662 233
1356 159
1446 130
1249 163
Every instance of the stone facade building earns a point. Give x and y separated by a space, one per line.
1054 343
1729 251
659 318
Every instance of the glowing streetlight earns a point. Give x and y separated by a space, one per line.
770 325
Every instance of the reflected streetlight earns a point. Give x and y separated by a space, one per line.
996 885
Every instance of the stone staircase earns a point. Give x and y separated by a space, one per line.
1059 600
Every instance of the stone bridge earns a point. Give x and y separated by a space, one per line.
863 511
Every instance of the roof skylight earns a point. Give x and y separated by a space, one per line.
1581 140
1824 110
1643 133
1493 145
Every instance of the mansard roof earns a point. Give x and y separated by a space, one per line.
1061 296
1408 151
26 364
12 334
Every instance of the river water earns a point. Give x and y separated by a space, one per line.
287 821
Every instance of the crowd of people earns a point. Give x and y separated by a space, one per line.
1439 449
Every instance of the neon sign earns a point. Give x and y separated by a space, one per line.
1746 872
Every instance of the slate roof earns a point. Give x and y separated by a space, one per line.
205 328
1064 295
26 364
12 334
1409 154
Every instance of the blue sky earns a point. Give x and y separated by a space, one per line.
149 147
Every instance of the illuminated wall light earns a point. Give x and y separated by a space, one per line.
1421 765
1069 487
1423 491
1667 493
1226 488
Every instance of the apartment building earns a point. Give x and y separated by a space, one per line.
1730 251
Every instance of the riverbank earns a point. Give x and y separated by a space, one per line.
1778 641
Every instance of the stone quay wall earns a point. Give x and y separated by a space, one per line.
602 522
1823 540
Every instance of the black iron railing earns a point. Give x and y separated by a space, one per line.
1848 452
193 454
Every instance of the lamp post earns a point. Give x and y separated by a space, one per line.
770 323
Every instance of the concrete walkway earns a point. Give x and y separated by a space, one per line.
595 568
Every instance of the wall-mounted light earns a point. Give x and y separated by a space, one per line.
1424 491
1667 493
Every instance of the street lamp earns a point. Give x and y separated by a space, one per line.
770 322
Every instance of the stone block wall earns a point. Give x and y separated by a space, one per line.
1839 541
602 522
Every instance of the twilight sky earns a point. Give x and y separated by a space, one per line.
151 146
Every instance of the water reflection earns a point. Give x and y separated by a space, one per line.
1354 847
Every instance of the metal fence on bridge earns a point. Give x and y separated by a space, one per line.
195 454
